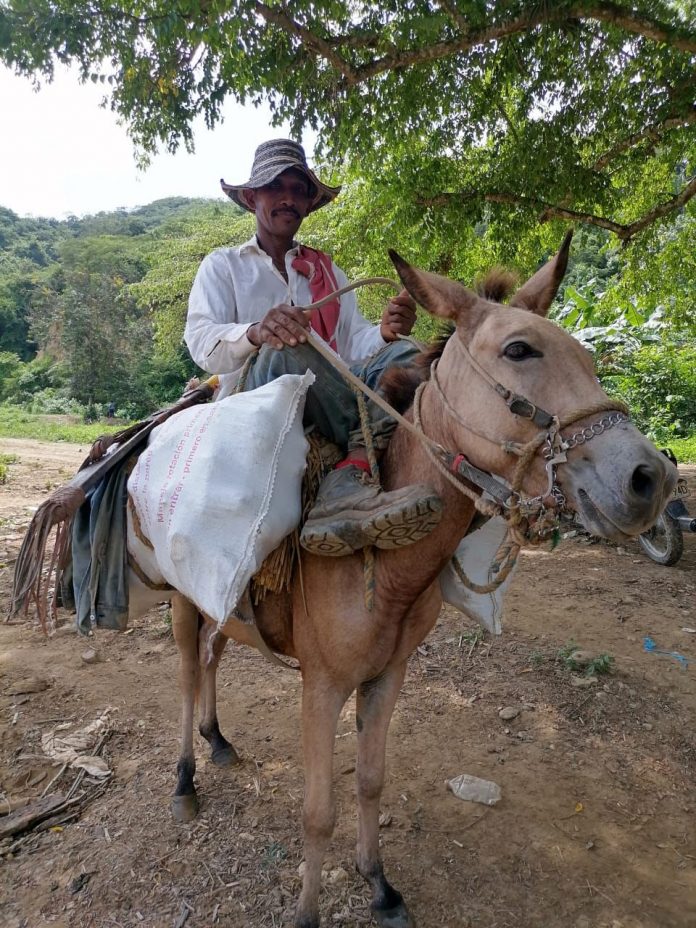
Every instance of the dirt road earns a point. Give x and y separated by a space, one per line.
596 826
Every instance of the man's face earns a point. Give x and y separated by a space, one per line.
281 205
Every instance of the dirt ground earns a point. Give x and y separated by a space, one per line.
596 824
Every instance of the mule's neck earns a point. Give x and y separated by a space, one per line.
405 462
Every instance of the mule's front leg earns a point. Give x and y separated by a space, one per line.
321 705
374 707
185 628
211 644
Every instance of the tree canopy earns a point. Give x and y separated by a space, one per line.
581 110
466 133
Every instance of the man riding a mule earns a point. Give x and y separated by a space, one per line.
245 322
506 415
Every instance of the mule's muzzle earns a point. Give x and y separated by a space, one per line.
621 495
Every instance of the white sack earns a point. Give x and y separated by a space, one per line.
475 554
219 487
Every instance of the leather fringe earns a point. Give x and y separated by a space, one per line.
30 583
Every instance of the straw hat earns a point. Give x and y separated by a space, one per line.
270 160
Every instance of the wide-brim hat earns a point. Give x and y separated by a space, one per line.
270 160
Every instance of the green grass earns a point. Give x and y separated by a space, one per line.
15 423
6 459
602 663
684 449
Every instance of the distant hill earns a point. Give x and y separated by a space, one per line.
32 252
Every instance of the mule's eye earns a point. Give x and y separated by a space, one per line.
519 351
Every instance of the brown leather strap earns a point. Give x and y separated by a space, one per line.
137 525
143 577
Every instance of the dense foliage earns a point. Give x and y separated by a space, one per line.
73 336
104 315
581 110
466 133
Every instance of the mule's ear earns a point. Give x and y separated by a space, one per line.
438 295
538 293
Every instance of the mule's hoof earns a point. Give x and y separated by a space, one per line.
184 808
225 757
306 921
396 917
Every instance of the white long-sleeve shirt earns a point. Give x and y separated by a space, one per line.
235 287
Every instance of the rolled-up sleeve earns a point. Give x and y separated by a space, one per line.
217 342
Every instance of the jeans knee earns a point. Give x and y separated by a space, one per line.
272 363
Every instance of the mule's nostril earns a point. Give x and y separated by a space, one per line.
643 481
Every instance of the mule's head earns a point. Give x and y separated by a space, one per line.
616 480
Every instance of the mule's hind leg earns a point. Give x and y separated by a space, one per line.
211 644
321 705
185 628
374 706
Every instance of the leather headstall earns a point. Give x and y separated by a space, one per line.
521 406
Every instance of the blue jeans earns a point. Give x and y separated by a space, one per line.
331 404
96 582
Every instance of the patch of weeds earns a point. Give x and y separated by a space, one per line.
5 460
472 636
471 639
603 663
536 659
162 627
273 854
565 654
596 666
17 424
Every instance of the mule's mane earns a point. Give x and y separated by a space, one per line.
399 384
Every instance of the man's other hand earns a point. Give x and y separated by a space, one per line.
399 317
282 325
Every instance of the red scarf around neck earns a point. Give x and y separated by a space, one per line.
317 268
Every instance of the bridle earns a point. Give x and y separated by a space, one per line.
550 441
529 520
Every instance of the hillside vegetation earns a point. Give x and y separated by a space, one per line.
92 310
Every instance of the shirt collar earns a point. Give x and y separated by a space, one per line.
253 246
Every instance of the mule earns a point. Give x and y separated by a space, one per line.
613 477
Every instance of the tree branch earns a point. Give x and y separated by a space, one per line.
313 42
543 15
653 132
676 202
512 199
631 21
552 211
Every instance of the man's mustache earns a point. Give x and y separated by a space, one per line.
286 209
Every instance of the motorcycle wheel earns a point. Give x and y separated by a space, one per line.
664 542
